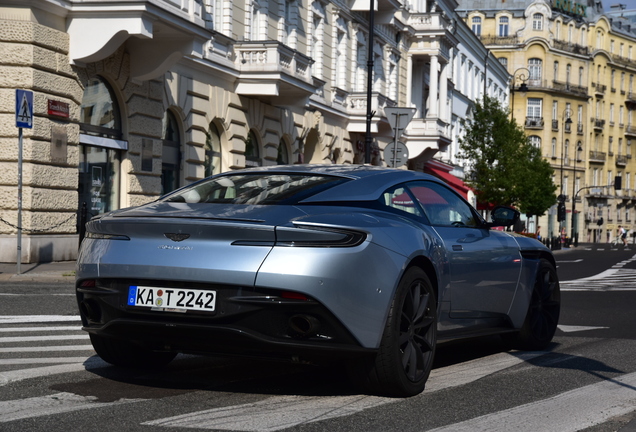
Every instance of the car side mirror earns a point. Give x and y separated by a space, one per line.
504 216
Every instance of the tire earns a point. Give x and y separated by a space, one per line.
125 354
405 356
543 312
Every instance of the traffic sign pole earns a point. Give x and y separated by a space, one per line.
23 119
19 254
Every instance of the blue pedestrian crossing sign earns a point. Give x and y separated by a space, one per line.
24 109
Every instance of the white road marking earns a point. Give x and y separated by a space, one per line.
41 338
570 329
34 329
19 319
42 360
22 374
570 261
52 404
47 348
585 407
282 412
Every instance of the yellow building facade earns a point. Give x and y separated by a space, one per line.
572 89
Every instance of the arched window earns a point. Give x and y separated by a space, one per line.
100 148
534 141
476 25
537 21
171 153
252 152
212 151
282 157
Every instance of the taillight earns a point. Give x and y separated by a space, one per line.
318 236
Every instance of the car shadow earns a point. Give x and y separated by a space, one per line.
189 373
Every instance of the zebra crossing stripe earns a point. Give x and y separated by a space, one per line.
585 407
52 404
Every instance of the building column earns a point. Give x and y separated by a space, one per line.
433 92
443 93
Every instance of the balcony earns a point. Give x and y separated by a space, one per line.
555 125
429 22
570 47
566 87
273 70
357 109
534 123
426 136
599 124
157 34
630 131
499 40
621 161
630 101
597 157
599 89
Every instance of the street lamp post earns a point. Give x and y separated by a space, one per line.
566 120
575 233
522 74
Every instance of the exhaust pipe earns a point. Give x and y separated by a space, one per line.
90 310
304 325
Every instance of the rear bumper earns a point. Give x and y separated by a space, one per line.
247 321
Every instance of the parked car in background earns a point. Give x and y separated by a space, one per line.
370 265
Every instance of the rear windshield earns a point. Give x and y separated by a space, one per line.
255 189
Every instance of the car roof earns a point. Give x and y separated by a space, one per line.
369 181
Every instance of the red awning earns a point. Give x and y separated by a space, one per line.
453 181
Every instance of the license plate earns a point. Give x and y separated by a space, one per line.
177 299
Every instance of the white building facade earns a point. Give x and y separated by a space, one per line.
137 98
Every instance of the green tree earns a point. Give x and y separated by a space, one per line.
502 166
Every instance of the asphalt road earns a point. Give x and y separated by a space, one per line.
51 381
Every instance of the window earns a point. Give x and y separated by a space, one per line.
537 21
568 72
212 151
257 27
581 72
256 189
340 56
359 78
503 26
534 108
534 66
503 61
99 150
442 206
613 80
476 25
553 148
556 70
171 153
252 152
282 156
287 24
317 30
399 199
534 141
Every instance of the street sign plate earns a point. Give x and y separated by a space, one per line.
396 152
24 109
399 117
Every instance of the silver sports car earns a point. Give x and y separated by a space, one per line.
368 265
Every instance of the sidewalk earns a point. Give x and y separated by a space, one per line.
63 271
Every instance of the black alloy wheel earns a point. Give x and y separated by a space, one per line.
407 349
543 312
